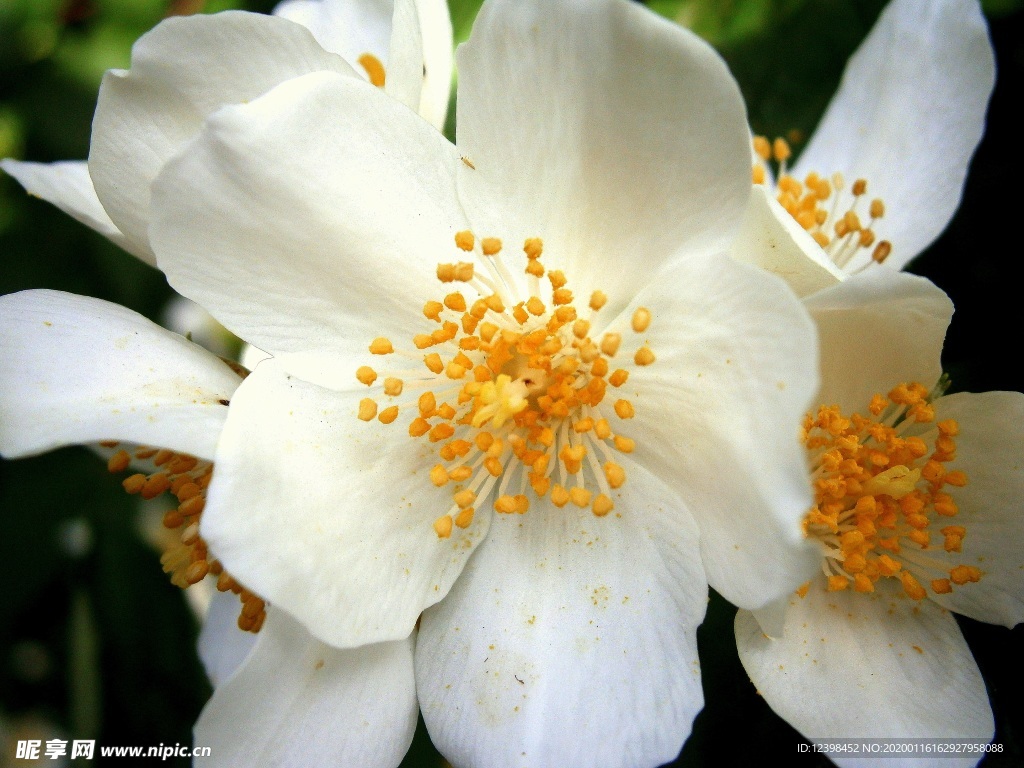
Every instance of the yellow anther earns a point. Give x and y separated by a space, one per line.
465 518
367 409
454 371
565 314
419 427
423 340
465 240
461 473
597 300
388 415
852 221
561 296
877 209
757 175
495 304
534 268
624 409
427 404
602 505
455 302
464 498
580 329
599 368
641 319
557 278
941 586
440 432
443 527
781 150
618 377
493 466
624 444
862 583
860 186
374 69
643 356
837 583
505 505
763 147
615 474
535 306
559 496
490 246
912 586
392 386
119 461
366 375
964 574
381 346
583 425
579 496
533 247
882 251
433 362
610 343
439 475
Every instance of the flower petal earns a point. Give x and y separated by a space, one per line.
80 370
148 113
297 702
67 185
907 117
327 517
614 135
878 329
347 228
348 28
223 647
570 639
988 451
404 80
877 666
771 239
438 61
717 417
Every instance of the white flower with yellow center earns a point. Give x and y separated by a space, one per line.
884 170
147 114
917 513
516 395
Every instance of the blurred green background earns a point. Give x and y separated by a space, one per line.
95 642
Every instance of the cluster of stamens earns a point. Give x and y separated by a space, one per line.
824 207
187 560
880 503
513 394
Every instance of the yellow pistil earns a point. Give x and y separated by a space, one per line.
511 393
824 207
186 559
881 509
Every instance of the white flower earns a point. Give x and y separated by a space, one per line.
146 115
314 221
898 136
915 518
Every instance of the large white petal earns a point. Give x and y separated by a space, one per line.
327 517
570 640
991 504
876 330
79 370
617 137
438 60
771 239
296 702
908 114
223 647
148 113
348 28
877 666
67 185
311 220
718 414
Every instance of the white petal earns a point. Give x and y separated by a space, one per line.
404 80
908 114
438 61
345 200
67 185
771 239
876 666
348 28
296 702
878 329
328 517
223 647
614 135
570 640
717 417
148 113
80 370
988 450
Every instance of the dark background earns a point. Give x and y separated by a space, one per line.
96 643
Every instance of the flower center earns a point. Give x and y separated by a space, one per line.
186 559
825 207
515 393
879 505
